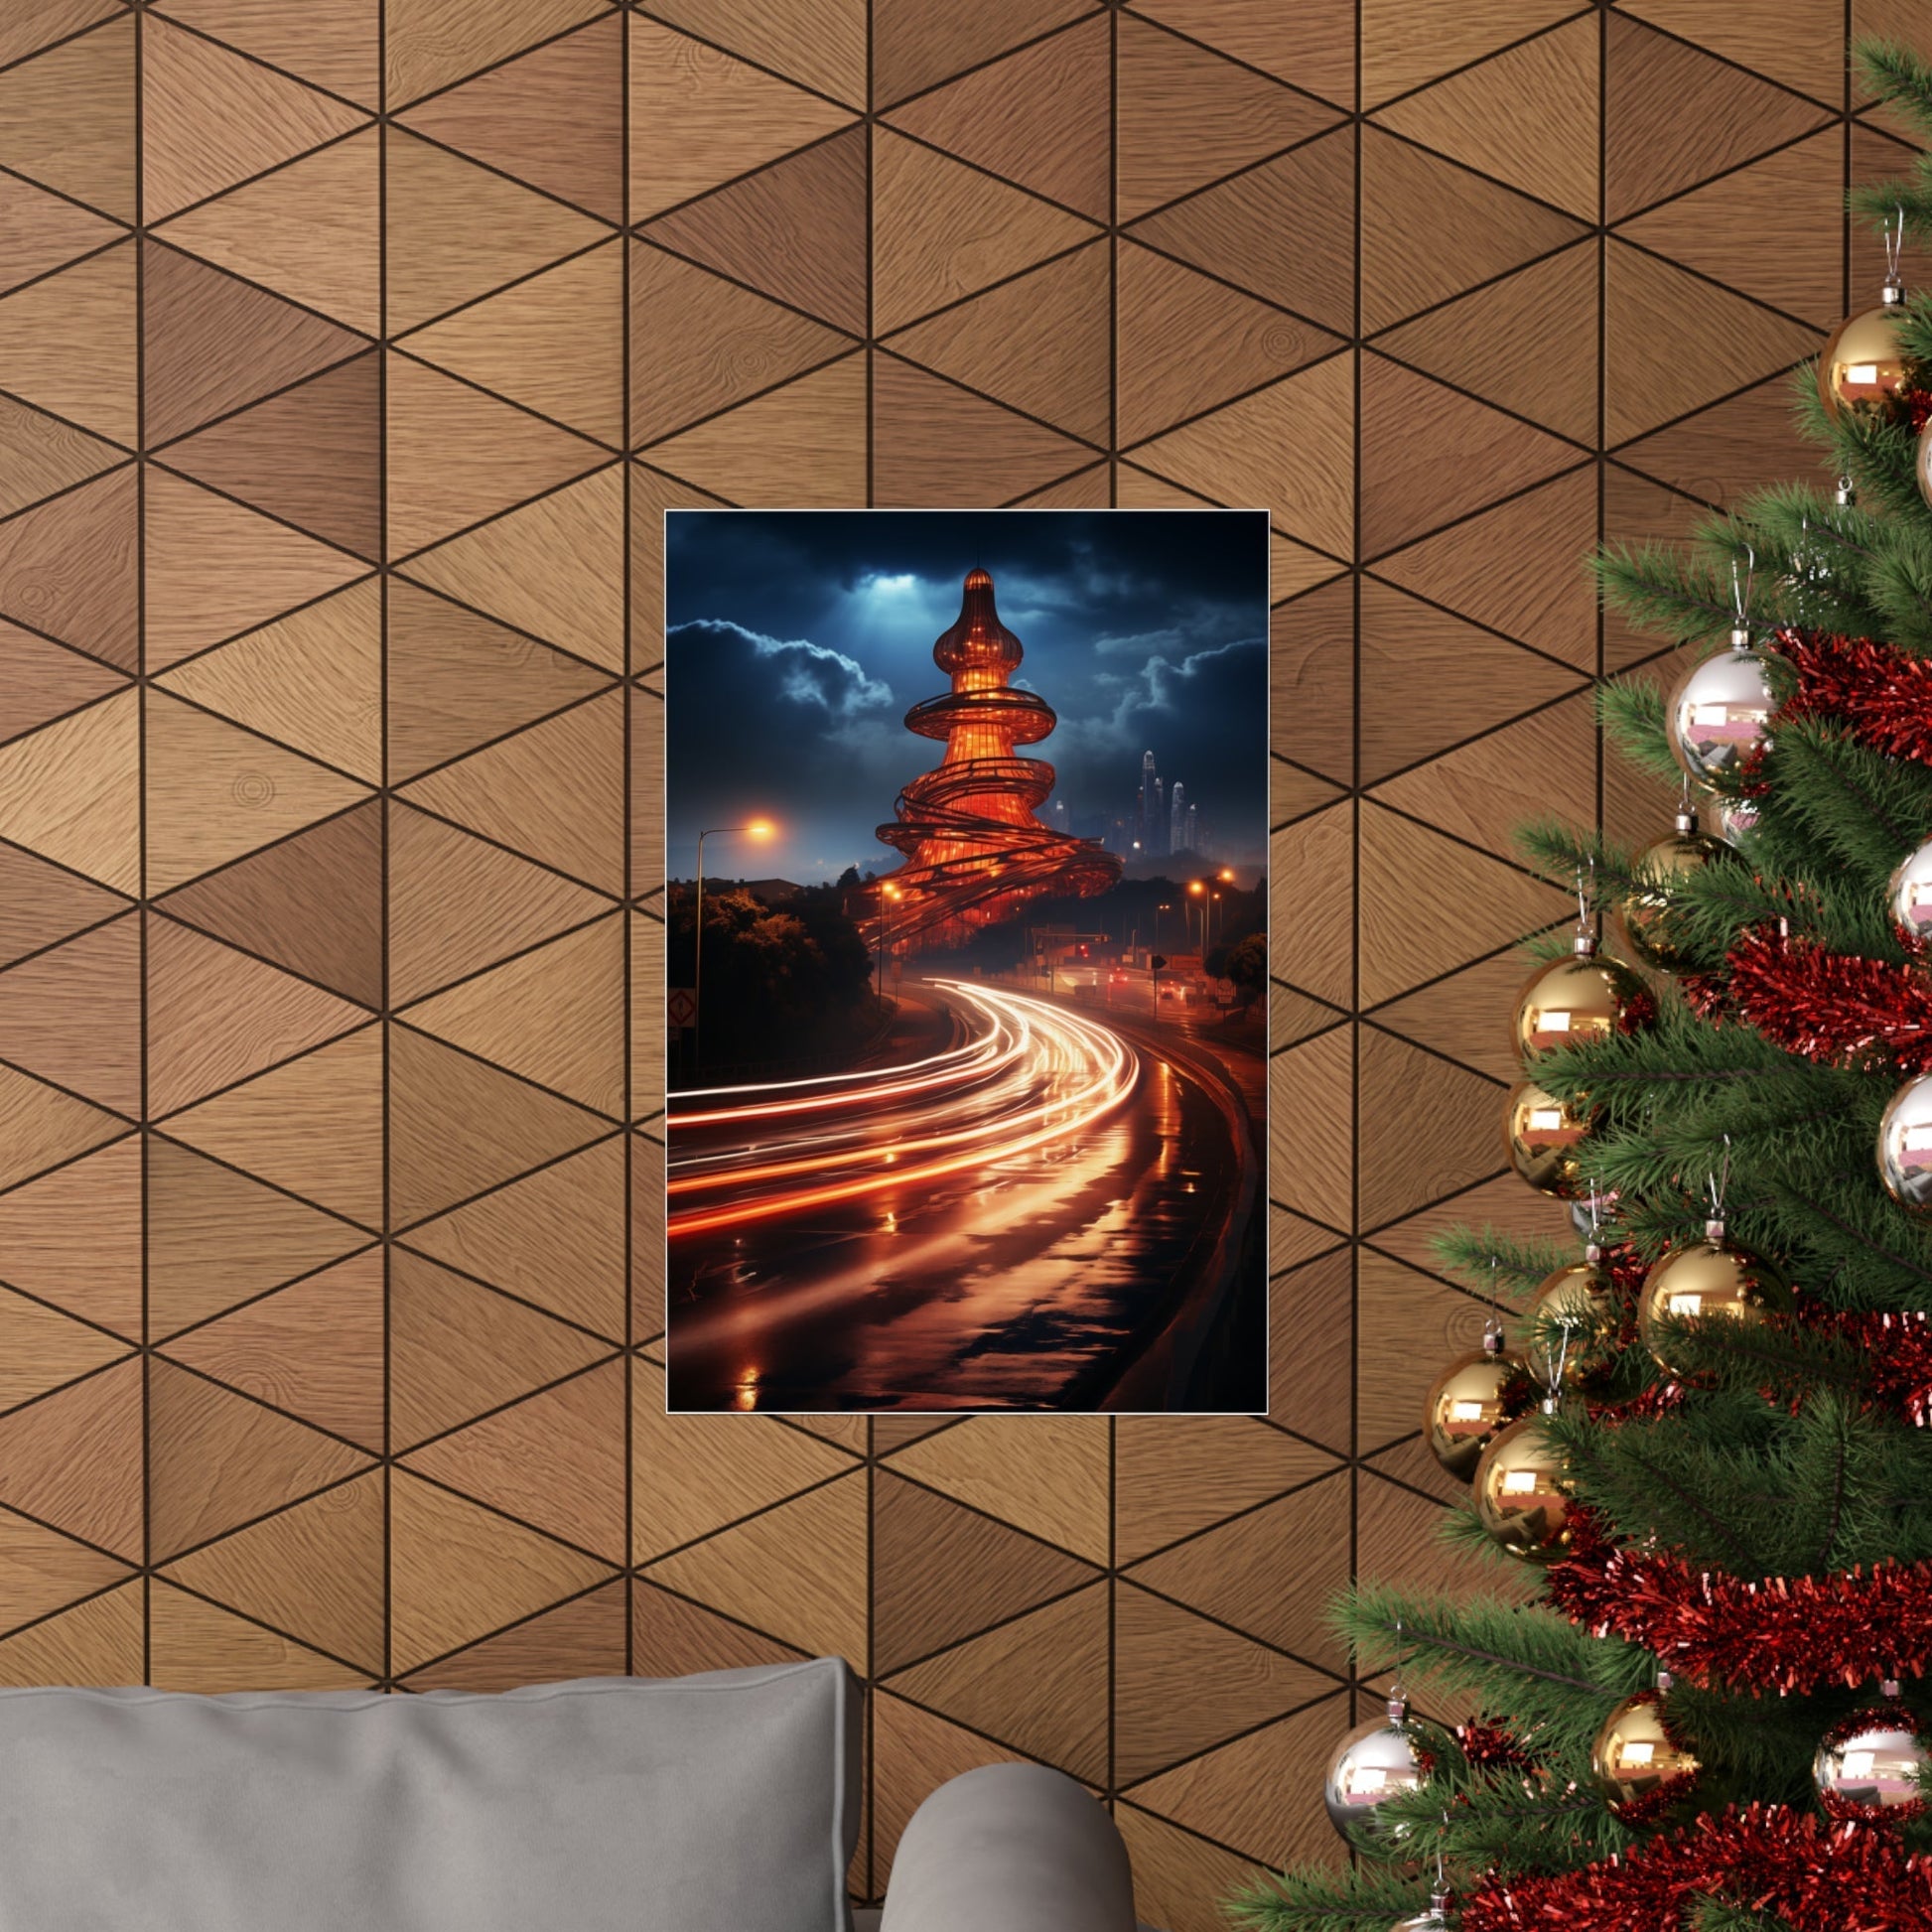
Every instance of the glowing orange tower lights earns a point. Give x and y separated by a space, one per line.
973 851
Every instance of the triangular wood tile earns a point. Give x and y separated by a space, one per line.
34 24
942 230
1503 1202
73 1459
40 904
1506 325
679 314
1285 229
456 904
314 1349
924 1601
68 344
795 231
216 1238
42 1350
1476 455
431 43
1312 680
460 1571
1395 1304
73 1238
1515 567
455 456
1040 1684
311 231
200 1648
1176 1475
1041 342
314 1572
1794 203
1458 1117
1314 954
101 1641
42 232
553 791
671 1637
1186 116
456 230
1311 1095
70 568
798 1572
802 445
554 344
1314 48
821 43
1432 229
1291 445
556 1016
1050 1481
916 43
313 681
1293 794
1399 1544
1174 1868
313 1126
72 1015
1186 345
333 490
1673 342
700 118
312 904
1739 445
215 792
211 119
1800 45
41 1569
456 1350
215 344
1040 117
582 1639
553 118
1183 1684
1503 904
1408 43
920 424
551 568
215 569
458 1127
1529 117
692 1475
1085 489
70 792
1462 1016
1463 681
914 1753
332 42
68 118
555 1238
40 456
1676 116
217 1460
555 1461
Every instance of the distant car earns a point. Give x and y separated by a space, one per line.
1119 976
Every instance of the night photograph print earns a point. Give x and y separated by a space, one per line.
966 951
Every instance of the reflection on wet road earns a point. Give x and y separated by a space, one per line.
991 1226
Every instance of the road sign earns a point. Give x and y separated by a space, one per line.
681 1007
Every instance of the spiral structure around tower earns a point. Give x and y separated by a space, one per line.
974 850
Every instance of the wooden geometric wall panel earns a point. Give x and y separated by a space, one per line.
349 356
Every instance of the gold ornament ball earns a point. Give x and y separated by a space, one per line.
1373 1763
1863 368
1651 924
1721 709
1519 1494
1633 1753
1905 1144
1545 1141
1910 894
1578 999
1874 1769
1582 1298
1464 1412
1713 1278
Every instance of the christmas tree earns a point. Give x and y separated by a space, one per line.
1706 1430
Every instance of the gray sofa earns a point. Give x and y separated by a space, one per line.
603 1805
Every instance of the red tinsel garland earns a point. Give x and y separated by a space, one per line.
1832 1007
1814 1876
1791 1633
1885 694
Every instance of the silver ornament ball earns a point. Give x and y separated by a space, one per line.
1874 1769
1909 894
1436 1919
1373 1763
1720 712
1905 1144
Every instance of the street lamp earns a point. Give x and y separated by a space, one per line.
886 892
756 828
1196 887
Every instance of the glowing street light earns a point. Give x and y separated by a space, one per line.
754 828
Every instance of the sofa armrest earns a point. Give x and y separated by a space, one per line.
1010 1847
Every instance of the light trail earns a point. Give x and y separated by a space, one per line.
1034 1074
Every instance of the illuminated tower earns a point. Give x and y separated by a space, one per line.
1149 785
1177 819
974 850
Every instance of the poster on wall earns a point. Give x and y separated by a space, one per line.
966 951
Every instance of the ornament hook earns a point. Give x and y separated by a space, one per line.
1894 251
1719 1183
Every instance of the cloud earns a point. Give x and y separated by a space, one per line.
808 673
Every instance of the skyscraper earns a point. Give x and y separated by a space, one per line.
1178 818
1149 786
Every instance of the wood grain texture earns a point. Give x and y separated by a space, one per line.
66 120
920 423
70 792
1313 46
197 1646
803 445
42 1350
39 455
101 1641
73 1460
73 1238
585 1637
72 1015
431 43
330 42
41 1569
68 344
1050 1481
1184 1474
42 232
821 43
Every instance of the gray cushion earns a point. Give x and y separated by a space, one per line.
605 1805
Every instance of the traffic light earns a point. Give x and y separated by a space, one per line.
1084 951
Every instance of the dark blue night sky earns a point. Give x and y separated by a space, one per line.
799 639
